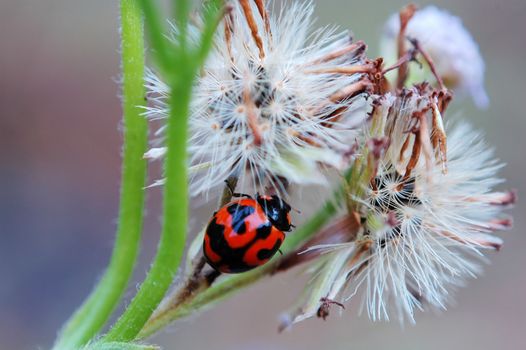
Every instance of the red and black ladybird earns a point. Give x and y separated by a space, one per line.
246 233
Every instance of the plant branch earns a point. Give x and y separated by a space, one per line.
175 197
175 216
181 14
405 16
93 314
155 32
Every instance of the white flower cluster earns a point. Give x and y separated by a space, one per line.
455 53
275 103
278 104
424 226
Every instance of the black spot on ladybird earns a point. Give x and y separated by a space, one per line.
265 254
263 231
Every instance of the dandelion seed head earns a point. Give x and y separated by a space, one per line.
424 231
453 49
262 108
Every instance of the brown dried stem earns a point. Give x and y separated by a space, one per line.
409 56
252 117
429 61
405 16
357 46
229 30
351 90
425 139
264 14
251 21
438 138
365 68
415 156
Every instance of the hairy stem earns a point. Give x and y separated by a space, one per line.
95 311
175 217
181 74
162 53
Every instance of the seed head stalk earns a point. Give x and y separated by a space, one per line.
175 219
97 308
186 63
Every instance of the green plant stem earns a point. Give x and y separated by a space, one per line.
181 14
227 286
160 45
93 314
212 16
175 217
181 74
120 346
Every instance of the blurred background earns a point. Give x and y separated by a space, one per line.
59 176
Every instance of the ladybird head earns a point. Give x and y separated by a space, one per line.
277 211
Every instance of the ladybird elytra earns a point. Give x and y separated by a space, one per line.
246 233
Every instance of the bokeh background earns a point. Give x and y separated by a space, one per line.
59 175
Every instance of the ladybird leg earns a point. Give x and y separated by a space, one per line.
236 194
280 252
229 186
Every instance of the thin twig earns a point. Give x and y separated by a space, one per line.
357 46
429 61
350 91
264 14
252 117
409 56
229 30
365 68
405 16
251 21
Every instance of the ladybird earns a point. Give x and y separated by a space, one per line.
246 233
